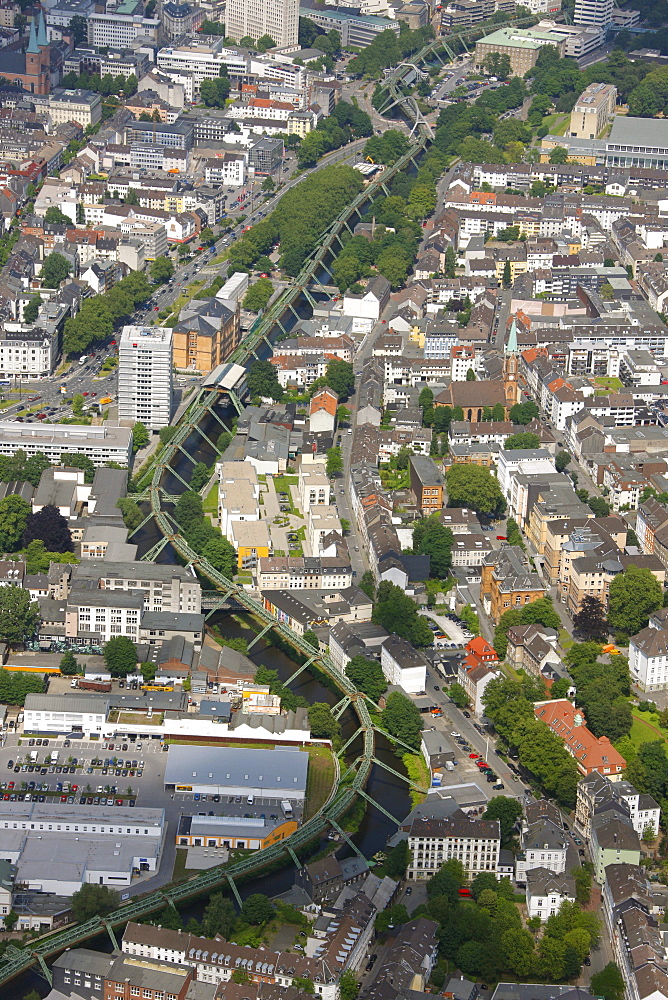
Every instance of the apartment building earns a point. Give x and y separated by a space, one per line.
592 575
597 794
543 842
206 334
163 587
304 573
314 487
591 754
427 484
593 110
431 842
403 665
82 106
648 654
507 581
145 379
546 892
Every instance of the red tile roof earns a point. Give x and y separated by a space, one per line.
569 724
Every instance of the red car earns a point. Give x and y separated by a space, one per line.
85 394
474 756
502 538
41 416
63 798
113 343
481 763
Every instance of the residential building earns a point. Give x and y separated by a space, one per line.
591 753
507 581
145 379
304 572
544 844
545 892
474 680
403 665
322 411
593 110
314 487
612 842
163 587
277 18
427 484
82 106
323 880
207 332
476 843
648 655
597 794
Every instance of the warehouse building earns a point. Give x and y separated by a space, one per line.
67 714
251 832
57 849
269 774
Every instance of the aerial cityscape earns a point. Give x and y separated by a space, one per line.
333 500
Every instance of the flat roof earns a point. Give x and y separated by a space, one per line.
650 132
236 766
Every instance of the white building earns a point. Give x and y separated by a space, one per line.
431 842
593 13
101 444
65 713
544 844
648 656
119 31
314 487
145 381
28 353
321 521
277 18
403 665
546 892
526 461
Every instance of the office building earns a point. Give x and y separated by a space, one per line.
594 13
101 444
593 110
119 31
521 45
637 142
276 774
355 28
427 484
145 376
277 18
82 106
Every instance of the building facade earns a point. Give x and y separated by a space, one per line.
145 381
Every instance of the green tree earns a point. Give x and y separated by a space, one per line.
221 554
93 900
14 513
474 487
507 275
257 909
219 916
258 295
54 216
448 880
397 612
348 986
120 656
507 811
79 28
69 664
432 538
140 436
334 463
634 595
55 269
609 983
206 236
559 155
561 460
590 621
582 878
19 615
367 676
524 413
340 376
31 310
322 723
470 375
200 475
367 584
214 93
522 441
162 270
458 695
401 718
262 380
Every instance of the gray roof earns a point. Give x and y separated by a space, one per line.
173 620
638 132
109 485
85 960
236 766
87 704
97 568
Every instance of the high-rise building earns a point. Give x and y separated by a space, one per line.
277 18
593 13
145 376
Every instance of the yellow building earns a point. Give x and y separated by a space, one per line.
231 832
593 111
207 332
251 541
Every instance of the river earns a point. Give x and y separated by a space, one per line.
382 786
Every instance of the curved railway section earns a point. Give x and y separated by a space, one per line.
353 778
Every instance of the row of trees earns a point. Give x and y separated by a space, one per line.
509 704
19 527
99 315
201 535
299 220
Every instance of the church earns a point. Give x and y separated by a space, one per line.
30 69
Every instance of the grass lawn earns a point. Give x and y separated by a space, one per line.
609 384
180 871
645 728
556 123
211 500
420 774
282 484
565 641
320 779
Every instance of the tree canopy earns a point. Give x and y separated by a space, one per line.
120 656
19 615
432 538
474 487
634 595
367 676
397 612
49 525
401 718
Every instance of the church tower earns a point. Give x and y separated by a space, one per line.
33 57
511 368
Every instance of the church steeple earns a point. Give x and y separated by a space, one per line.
42 40
511 346
33 48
